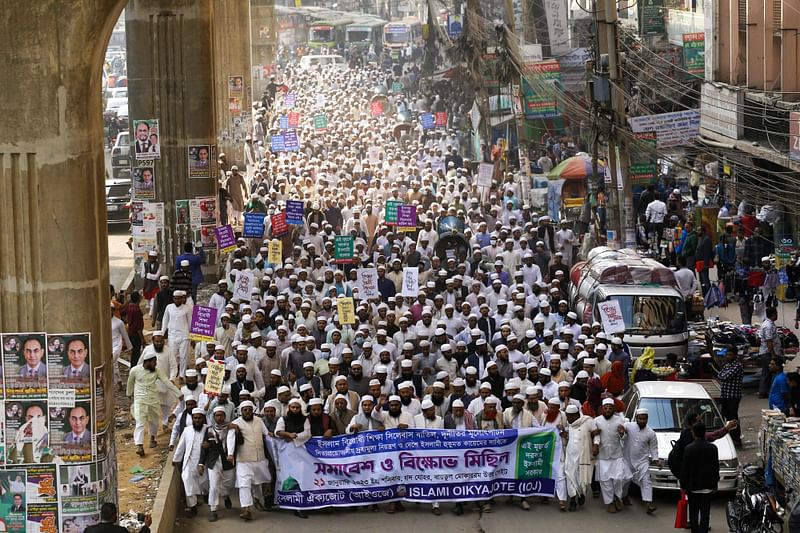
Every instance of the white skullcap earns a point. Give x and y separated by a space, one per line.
530 390
246 403
608 401
582 374
544 372
564 384
486 385
305 386
394 398
471 370
219 409
405 385
406 363
426 404
457 403
520 397
554 401
198 411
459 382
226 389
191 372
491 400
438 385
367 397
339 378
283 389
295 400
314 401
642 411
572 409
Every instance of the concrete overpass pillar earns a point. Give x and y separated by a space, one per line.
53 238
263 42
170 78
232 76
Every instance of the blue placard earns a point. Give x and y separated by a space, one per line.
427 120
295 212
278 143
290 141
253 226
284 122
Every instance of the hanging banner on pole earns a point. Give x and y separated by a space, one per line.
418 465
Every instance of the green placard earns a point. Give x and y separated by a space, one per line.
535 455
397 87
643 167
651 17
320 121
694 53
343 246
390 214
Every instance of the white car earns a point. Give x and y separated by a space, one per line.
309 61
668 403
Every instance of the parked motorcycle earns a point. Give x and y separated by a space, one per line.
754 509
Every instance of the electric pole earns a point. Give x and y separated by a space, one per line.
620 211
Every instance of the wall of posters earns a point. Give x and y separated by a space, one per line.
56 454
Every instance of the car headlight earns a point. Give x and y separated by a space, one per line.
730 463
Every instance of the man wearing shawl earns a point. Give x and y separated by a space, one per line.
578 464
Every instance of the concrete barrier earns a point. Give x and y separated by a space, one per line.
167 503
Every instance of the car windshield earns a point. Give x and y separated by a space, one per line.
652 315
321 35
668 414
118 191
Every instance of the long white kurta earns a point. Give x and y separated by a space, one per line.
610 462
188 449
641 445
143 386
578 461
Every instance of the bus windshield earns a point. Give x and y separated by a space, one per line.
396 36
321 35
652 315
358 36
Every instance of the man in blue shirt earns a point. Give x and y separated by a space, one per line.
196 261
779 393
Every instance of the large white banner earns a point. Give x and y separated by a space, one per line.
417 465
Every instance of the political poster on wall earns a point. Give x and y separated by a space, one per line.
182 212
100 417
13 500
24 365
69 364
144 183
70 432
146 140
418 465
199 160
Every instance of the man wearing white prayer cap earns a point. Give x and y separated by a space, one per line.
187 454
611 469
640 449
250 457
214 460
578 466
167 363
176 324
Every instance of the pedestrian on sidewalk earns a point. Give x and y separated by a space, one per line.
730 378
699 478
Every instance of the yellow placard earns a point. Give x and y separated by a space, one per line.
215 378
275 255
346 310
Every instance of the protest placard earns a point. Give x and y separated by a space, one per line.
406 217
275 253
243 285
295 212
215 379
226 239
390 211
279 225
343 246
346 310
410 282
204 323
367 283
253 226
611 315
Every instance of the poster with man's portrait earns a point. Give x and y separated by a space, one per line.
25 365
144 183
235 85
12 500
147 143
78 487
70 367
71 436
199 161
181 212
208 211
27 434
